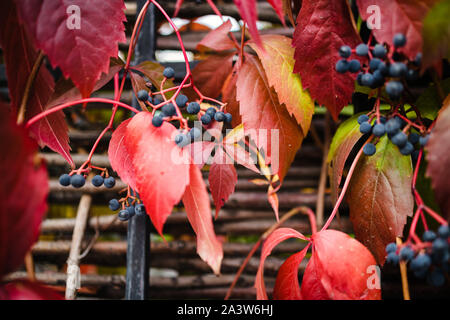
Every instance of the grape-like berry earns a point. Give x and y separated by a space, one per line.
110 182
399 40
64 180
169 72
97 180
369 149
362 49
181 100
142 95
77 180
345 51
157 121
193 108
114 204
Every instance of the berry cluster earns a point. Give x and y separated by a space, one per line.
78 180
396 132
166 110
129 208
429 260
382 66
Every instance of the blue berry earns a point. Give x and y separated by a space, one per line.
363 118
181 100
211 111
444 231
110 182
169 72
392 258
399 40
142 95
359 78
362 49
436 278
374 63
407 149
383 68
413 137
64 180
418 59
97 180
397 69
354 66
379 130
157 121
379 51
124 215
228 117
157 100
420 263
114 204
429 236
342 66
400 139
206 119
345 51
77 180
392 126
193 108
140 210
424 140
394 89
219 116
406 253
168 110
131 210
367 80
365 127
182 140
195 133
440 246
378 78
391 247
369 149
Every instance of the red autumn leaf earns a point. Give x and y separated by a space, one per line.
272 197
267 121
66 91
379 197
399 16
23 193
229 97
278 7
439 159
278 62
271 242
217 39
241 156
196 203
248 11
88 34
323 26
286 284
119 157
20 56
163 167
27 290
222 178
210 74
200 152
312 288
342 268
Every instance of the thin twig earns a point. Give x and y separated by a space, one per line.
28 87
403 272
73 273
323 173
29 266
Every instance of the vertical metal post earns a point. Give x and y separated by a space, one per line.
138 237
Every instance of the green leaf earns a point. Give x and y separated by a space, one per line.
380 197
345 138
429 102
436 34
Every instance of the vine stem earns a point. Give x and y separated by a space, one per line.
344 188
28 86
73 103
404 276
